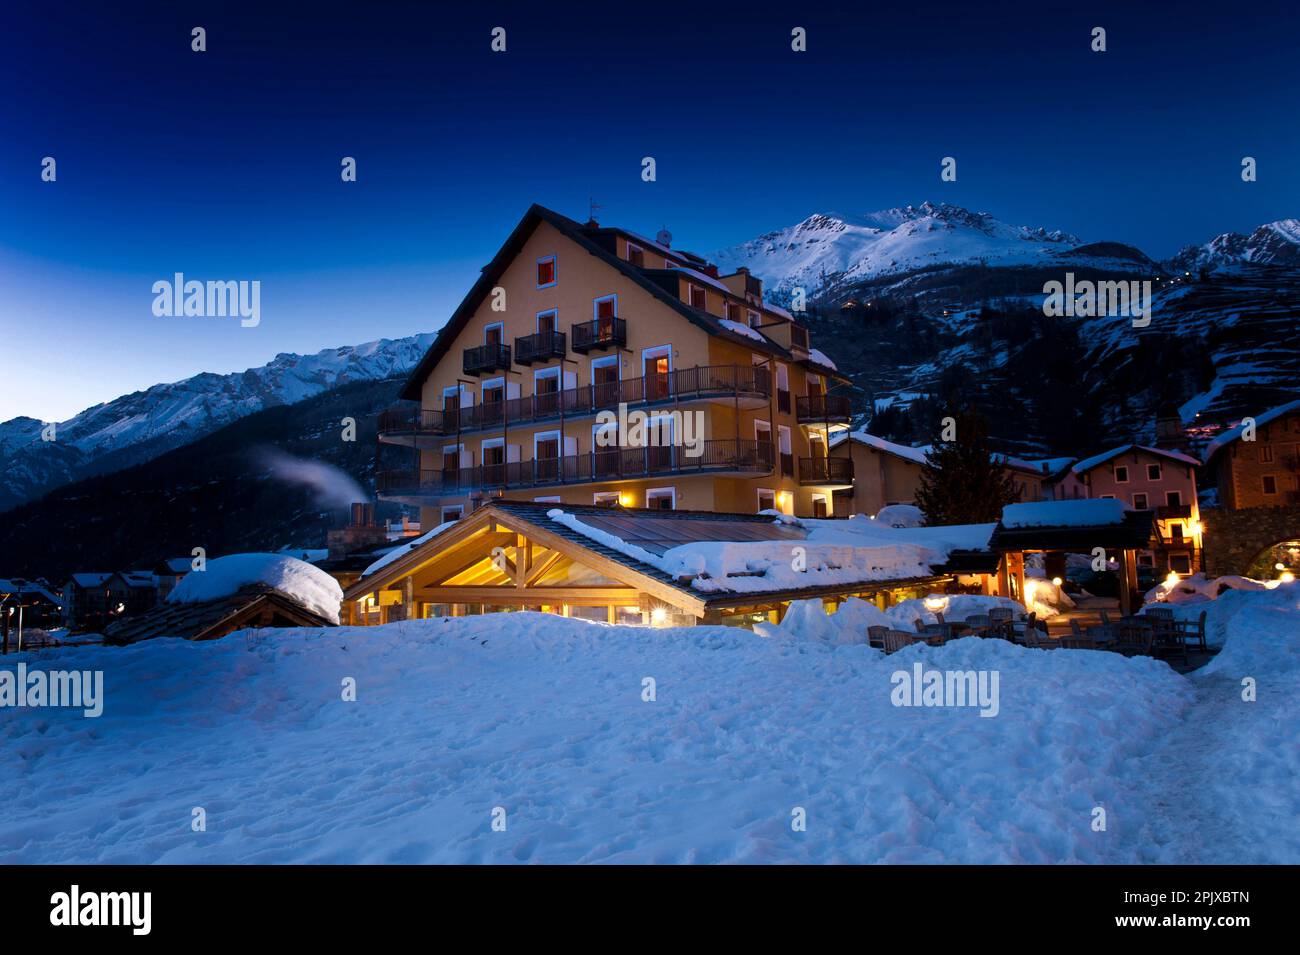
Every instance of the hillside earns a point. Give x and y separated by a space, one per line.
223 492
138 427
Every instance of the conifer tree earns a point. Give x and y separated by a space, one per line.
960 483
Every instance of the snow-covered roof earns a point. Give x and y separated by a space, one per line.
778 310
827 553
307 586
889 447
1234 434
706 279
1084 512
405 548
818 357
742 329
1087 464
90 580
29 587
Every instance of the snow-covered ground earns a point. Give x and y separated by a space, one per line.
545 718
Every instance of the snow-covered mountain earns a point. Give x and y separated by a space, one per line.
1276 243
826 251
140 426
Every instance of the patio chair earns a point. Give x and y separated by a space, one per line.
1000 619
1134 640
939 616
876 636
979 624
897 639
1189 631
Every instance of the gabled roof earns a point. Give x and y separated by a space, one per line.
89 580
1087 464
28 587
209 619
1234 434
914 455
583 237
1073 525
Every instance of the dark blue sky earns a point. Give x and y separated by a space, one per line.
225 165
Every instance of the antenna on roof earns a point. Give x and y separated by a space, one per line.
591 212
665 238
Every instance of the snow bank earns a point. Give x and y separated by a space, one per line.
308 586
1199 589
808 621
1045 598
901 515
545 718
906 613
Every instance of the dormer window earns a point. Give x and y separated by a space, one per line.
636 256
698 299
546 271
733 312
753 319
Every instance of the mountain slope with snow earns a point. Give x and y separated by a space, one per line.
826 251
138 427
1274 243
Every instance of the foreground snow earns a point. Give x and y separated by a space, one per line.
545 718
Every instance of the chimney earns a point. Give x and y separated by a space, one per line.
363 514
360 531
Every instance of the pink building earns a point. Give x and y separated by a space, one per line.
1152 479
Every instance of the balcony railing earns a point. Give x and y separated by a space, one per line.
825 471
484 358
812 409
602 333
615 464
1173 512
685 384
544 346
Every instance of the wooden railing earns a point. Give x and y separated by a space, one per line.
542 346
481 358
601 333
685 384
819 470
719 454
814 408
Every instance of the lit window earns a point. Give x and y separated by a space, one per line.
546 271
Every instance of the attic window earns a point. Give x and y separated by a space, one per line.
636 256
1121 474
546 271
697 297
1153 472
733 312
754 319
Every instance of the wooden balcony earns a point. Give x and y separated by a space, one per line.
481 359
722 456
600 334
823 409
826 472
544 346
748 385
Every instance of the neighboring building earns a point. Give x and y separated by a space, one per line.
887 473
253 606
627 566
85 602
1152 479
1263 472
41 607
568 321
884 473
131 592
169 572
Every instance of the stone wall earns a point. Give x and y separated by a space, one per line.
1233 538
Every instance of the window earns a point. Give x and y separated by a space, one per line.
1153 472
604 311
1176 531
492 334
605 499
698 299
1174 498
1266 454
1121 474
1180 563
819 505
1139 502
636 255
452 513
551 499
547 321
1107 497
661 498
753 319
629 616
766 499
1270 484
733 312
546 271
